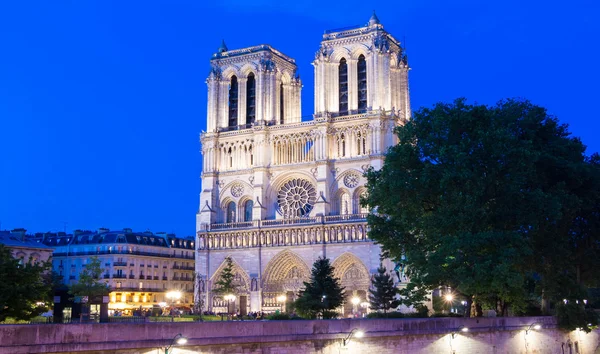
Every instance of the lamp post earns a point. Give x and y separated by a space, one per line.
355 301
281 300
178 339
535 326
229 298
173 295
357 333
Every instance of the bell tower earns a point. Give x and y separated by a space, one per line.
251 86
361 69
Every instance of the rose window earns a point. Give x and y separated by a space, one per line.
296 198
351 180
237 190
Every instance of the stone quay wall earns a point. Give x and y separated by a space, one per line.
382 336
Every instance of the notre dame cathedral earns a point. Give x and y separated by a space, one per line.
279 192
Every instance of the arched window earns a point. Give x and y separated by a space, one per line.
248 210
281 120
342 146
345 204
230 212
362 82
362 209
233 102
250 99
343 86
230 156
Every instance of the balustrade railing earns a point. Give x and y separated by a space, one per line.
287 232
282 222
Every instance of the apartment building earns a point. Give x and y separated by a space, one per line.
140 267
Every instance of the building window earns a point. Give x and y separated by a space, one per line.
362 83
281 120
233 102
250 99
248 210
345 204
230 212
343 86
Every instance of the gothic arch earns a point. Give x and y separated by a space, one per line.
340 53
225 192
285 272
241 278
230 71
358 192
352 272
286 77
338 183
247 69
358 50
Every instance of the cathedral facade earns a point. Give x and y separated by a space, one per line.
279 192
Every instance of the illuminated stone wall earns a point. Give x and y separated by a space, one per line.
404 336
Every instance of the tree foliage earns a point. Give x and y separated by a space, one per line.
89 283
382 297
484 199
23 288
224 284
322 294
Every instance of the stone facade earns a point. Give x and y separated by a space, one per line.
278 192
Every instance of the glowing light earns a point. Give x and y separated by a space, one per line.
359 334
537 327
229 297
355 300
281 298
181 341
464 329
449 297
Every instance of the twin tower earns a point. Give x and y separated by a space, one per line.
356 71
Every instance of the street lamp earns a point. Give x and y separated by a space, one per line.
281 300
178 339
461 329
173 295
535 326
355 301
357 333
229 298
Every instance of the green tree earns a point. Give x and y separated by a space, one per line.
89 283
322 294
22 289
224 284
486 199
383 295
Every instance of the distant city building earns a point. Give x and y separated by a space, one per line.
24 246
140 267
278 192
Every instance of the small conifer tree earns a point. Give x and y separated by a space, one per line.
322 294
383 294
225 284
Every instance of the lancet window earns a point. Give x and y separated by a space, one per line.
345 204
248 210
281 106
233 102
343 87
230 217
250 99
362 83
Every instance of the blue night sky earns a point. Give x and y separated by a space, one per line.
101 102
